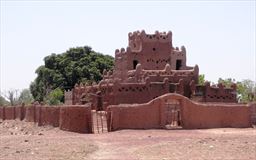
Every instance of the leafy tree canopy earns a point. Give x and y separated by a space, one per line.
63 71
55 97
201 79
227 82
3 101
25 97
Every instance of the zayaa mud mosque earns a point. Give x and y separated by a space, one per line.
151 86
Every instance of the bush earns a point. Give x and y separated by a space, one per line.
55 97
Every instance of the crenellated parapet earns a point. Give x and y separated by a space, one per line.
139 39
152 51
122 51
144 37
214 93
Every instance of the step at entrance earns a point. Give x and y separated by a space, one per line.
99 122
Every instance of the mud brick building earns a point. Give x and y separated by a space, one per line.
149 67
150 87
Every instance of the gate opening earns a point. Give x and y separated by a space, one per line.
99 122
173 115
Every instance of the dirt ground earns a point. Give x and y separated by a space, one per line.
23 140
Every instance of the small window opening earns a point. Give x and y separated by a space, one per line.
135 62
178 64
154 49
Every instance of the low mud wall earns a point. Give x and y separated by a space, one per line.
253 113
20 112
76 119
193 115
30 113
2 113
199 115
69 118
48 115
136 116
10 113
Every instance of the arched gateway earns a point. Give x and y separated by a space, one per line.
176 111
173 114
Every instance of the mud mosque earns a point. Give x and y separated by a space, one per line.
149 67
151 86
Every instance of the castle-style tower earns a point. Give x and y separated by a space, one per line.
151 51
149 67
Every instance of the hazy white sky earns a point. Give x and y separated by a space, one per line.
219 36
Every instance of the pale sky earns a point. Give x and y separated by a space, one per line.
218 36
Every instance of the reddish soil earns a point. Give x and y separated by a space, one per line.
23 140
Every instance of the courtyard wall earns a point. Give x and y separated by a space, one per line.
75 118
193 115
151 115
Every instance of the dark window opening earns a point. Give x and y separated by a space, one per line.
135 62
178 64
154 49
172 88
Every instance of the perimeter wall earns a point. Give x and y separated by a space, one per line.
78 118
75 118
193 115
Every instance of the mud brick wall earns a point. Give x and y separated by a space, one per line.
215 115
48 115
193 115
131 93
30 113
75 119
212 115
253 113
10 113
2 113
136 116
37 114
19 112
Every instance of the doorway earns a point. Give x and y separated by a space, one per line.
178 64
173 114
135 62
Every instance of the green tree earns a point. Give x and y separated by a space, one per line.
55 97
76 65
245 88
227 82
12 96
3 102
201 79
25 97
